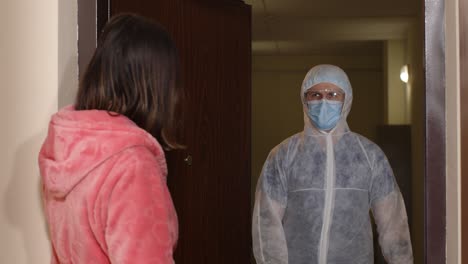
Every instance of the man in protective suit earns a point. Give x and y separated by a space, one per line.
316 188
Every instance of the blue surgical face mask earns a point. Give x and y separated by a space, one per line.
325 114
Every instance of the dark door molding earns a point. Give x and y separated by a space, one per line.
463 20
435 163
93 14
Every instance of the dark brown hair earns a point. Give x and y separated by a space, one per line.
134 72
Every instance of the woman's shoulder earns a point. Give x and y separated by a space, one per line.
141 155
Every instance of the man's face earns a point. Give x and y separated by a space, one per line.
327 91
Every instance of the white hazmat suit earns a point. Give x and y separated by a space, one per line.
316 189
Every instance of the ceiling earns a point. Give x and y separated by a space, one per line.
343 27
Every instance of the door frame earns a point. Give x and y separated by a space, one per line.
92 16
435 149
463 24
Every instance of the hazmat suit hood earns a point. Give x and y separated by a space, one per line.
326 73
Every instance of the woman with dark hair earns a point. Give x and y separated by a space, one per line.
102 164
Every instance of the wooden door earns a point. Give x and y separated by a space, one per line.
212 194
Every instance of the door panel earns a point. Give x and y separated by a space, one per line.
212 195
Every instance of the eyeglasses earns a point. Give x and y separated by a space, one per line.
321 94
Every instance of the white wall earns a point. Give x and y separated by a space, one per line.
37 56
453 201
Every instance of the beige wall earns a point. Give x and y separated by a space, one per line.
277 110
453 133
37 56
396 91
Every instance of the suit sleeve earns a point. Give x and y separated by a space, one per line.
269 242
388 209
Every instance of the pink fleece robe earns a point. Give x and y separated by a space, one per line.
104 190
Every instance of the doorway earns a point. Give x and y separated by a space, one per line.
374 42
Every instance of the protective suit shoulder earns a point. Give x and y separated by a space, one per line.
284 151
273 179
373 152
383 181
